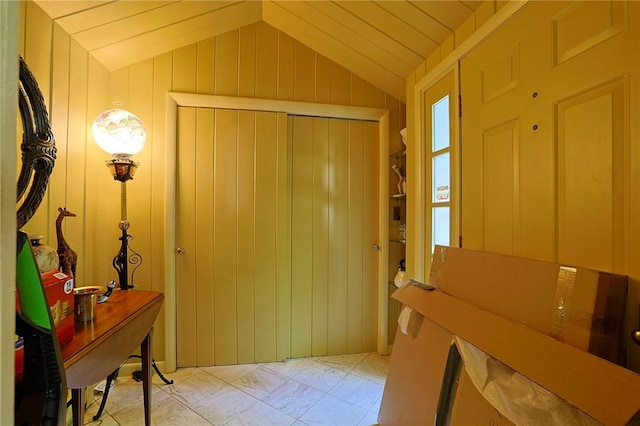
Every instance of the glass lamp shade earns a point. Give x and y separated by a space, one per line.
119 132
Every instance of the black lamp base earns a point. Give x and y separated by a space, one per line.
126 256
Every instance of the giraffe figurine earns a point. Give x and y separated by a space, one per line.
68 257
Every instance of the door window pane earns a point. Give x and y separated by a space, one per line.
441 178
440 229
440 124
441 173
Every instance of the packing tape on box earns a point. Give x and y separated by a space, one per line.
519 399
566 313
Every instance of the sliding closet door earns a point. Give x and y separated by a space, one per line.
233 277
275 236
334 224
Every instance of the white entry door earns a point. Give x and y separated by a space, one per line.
545 134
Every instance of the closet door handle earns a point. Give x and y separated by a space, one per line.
180 250
376 247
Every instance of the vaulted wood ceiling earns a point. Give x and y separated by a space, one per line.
380 41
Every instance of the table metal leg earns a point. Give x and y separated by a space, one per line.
110 378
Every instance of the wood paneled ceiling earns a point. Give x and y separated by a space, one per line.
380 41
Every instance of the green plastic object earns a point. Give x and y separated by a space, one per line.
33 301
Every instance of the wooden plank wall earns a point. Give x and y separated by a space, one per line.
255 60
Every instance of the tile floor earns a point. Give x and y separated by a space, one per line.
337 390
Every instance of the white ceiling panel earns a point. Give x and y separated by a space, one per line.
380 41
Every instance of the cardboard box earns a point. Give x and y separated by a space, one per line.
579 306
602 389
415 385
58 289
414 379
539 318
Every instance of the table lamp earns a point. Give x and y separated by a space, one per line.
121 134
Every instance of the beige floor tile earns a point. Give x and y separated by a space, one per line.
229 373
125 392
224 405
262 414
369 419
358 391
192 389
376 405
373 367
293 398
342 362
298 392
183 418
260 382
330 410
163 407
179 374
290 367
320 376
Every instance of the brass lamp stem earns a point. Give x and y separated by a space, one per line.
126 255
123 201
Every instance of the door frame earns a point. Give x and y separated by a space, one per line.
419 242
9 29
177 99
423 163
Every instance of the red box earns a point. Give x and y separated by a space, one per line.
58 288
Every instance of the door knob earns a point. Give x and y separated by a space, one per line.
180 250
375 247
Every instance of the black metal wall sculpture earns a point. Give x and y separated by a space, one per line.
38 146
